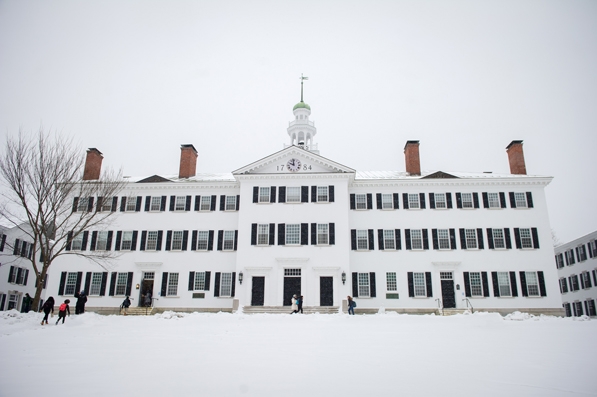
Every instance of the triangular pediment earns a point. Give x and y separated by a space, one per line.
439 175
154 179
292 161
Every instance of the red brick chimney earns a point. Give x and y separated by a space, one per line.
188 161
411 155
516 158
93 164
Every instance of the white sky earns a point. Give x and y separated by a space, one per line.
136 79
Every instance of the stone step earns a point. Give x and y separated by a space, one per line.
287 309
138 311
451 312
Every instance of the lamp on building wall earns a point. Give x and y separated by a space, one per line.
343 278
240 277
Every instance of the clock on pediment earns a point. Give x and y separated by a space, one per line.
293 165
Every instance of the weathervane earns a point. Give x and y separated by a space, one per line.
302 79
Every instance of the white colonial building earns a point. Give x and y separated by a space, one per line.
576 262
295 222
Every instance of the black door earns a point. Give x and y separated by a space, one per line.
448 297
146 293
292 286
326 291
257 291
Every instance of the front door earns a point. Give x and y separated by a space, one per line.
326 291
146 290
448 297
292 286
257 291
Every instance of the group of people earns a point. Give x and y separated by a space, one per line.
64 308
297 304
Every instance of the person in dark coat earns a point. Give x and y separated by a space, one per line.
62 310
27 301
300 304
47 308
125 305
351 305
81 300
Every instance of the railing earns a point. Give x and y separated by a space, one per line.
468 303
440 308
301 122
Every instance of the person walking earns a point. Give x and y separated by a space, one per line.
351 305
47 308
27 301
294 305
81 300
125 304
62 310
300 304
147 300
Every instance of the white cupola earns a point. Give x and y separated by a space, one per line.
301 131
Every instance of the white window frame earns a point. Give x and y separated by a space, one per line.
225 285
560 261
586 279
155 204
263 234
476 284
416 239
323 234
574 282
520 199
414 201
293 194
323 195
202 240
70 284
293 234
391 282
470 236
21 277
102 241
205 203
131 204
176 244
389 239
466 200
121 284
228 240
582 253
387 201
106 204
563 283
77 243
13 301
199 282
230 203
443 239
419 285
360 200
95 286
180 203
526 240
127 241
151 243
532 287
362 240
493 200
440 201
504 284
570 256
172 287
83 204
264 194
364 285
499 238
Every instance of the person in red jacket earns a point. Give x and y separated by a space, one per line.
62 310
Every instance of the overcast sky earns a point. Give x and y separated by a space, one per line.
136 79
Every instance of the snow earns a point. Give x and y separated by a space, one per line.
222 354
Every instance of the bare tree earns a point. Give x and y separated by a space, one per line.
43 174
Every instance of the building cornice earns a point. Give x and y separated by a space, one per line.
454 182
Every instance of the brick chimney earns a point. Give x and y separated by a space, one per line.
411 155
93 164
516 158
188 161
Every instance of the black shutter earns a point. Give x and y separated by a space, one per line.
187 205
405 200
109 241
304 234
134 240
369 201
452 239
159 241
496 285
87 282
103 284
207 280
512 200
114 204
272 235
476 200
253 235
168 240
90 204
371 239
191 281
485 200
93 241
542 289
529 200
272 194
449 199
353 239
118 239
467 284
238 202
513 284
163 204
129 283
411 285
112 283
62 283
396 200
507 238
255 194
222 202
100 203
432 200
422 200
398 240
84 242
407 238
282 194
304 194
425 239
429 286
332 230
434 238
372 286
185 239
69 239
313 194
462 239
15 250
233 289
458 200
355 285
523 284
378 200
4 242
197 203
535 238
331 195
212 204
490 238
143 239
380 239
485 284
138 204
517 237
480 239
210 241
503 200
221 238
352 202
314 234
164 284
26 277
19 272
281 234
217 285
75 204
194 240
147 203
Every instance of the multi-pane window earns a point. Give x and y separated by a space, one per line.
263 234
532 283
202 240
264 194
228 240
83 204
180 203
475 282
226 284
593 247
13 301
364 290
131 204
71 282
199 284
172 289
387 202
389 240
152 241
77 243
440 200
205 204
525 238
156 203
360 201
293 234
563 285
322 194
293 194
467 200
127 241
504 284
573 282
413 200
443 239
177 240
419 284
323 234
362 240
521 200
230 203
106 204
96 284
471 238
586 279
391 281
559 261
102 241
570 257
21 277
416 239
499 240
121 281
493 200
581 253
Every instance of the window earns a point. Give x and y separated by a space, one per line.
559 261
202 240
387 201
586 280
205 203
121 282
570 257
590 306
443 239
521 200
362 240
177 240
102 241
77 243
13 301
416 239
229 240
199 284
573 282
226 285
498 238
413 201
293 234
419 285
532 283
391 283
525 238
389 240
263 234
361 201
172 289
106 204
563 285
230 203
581 253
467 200
322 194
83 204
152 241
578 309
96 284
593 248
504 284
264 194
471 238
127 241
156 203
476 285
131 204
323 234
493 199
364 289
180 203
21 276
440 200
293 194
18 275
567 309
71 282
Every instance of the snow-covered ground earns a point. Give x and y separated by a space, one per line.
297 355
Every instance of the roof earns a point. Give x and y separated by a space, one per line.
301 104
381 175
